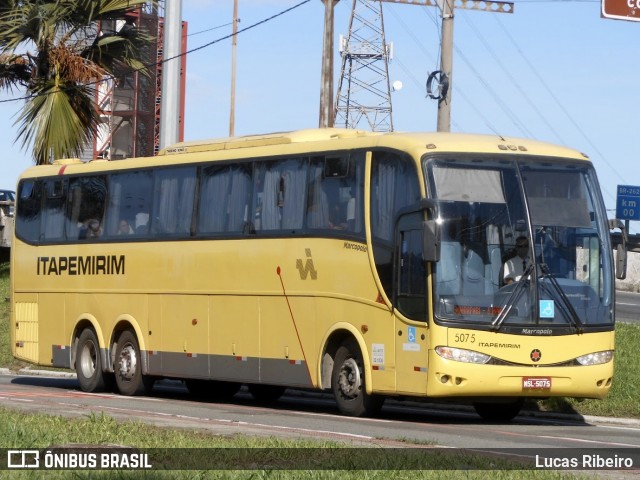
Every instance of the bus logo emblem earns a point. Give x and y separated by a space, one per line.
536 355
307 268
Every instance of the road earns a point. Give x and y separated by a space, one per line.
628 307
314 415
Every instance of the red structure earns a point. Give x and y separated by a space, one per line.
130 103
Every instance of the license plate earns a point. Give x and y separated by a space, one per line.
536 383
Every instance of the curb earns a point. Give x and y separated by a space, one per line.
38 373
525 413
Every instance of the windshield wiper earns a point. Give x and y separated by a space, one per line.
574 318
516 293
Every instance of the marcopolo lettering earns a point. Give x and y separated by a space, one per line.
81 265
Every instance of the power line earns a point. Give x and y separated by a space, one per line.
513 80
154 64
503 106
210 29
557 101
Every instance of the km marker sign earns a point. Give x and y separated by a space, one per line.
628 203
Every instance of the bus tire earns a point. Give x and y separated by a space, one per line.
499 411
266 393
215 390
91 376
348 383
128 367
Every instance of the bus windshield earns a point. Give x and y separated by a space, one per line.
524 245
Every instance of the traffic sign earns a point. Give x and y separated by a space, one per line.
621 9
628 203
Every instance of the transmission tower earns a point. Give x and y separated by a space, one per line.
364 93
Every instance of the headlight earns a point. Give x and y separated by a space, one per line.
460 355
595 358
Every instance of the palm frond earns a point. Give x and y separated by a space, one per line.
14 70
58 122
114 6
69 55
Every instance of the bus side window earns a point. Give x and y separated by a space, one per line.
86 201
318 203
173 200
130 197
279 195
28 210
225 193
53 211
394 185
335 193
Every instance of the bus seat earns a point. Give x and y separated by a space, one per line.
449 269
473 274
492 269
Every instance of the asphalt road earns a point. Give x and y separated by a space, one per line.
628 307
314 415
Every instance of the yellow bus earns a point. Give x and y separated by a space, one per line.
370 265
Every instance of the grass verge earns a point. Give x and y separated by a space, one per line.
36 431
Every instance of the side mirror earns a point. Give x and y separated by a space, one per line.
621 249
430 241
413 218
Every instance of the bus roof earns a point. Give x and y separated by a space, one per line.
454 142
319 140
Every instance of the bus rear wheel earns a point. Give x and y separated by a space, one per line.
499 411
348 383
91 376
128 367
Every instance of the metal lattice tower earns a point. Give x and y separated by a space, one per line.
364 93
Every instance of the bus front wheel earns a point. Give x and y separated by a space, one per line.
348 383
91 377
128 367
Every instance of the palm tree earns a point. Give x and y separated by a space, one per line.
56 51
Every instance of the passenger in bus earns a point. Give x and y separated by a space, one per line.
142 222
90 229
515 266
124 228
337 217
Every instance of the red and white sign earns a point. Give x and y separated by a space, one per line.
621 9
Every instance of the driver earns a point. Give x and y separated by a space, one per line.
516 266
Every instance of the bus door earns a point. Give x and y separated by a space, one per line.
410 305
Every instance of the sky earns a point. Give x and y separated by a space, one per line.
552 70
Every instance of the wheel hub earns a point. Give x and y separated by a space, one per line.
88 360
350 378
128 362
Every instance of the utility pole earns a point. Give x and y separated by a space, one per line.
446 65
234 45
326 78
170 100
446 59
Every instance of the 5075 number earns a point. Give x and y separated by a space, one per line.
465 338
